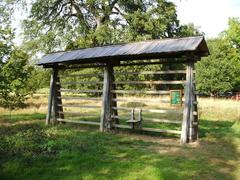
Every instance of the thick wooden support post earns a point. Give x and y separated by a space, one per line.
114 96
188 105
57 102
195 115
50 99
106 121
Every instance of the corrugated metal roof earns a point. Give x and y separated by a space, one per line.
137 50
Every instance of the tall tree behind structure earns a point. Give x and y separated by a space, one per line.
87 23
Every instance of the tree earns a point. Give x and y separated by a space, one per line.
77 23
14 77
219 72
232 34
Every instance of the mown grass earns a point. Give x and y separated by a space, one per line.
31 150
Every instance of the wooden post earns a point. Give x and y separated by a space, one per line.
114 96
106 122
195 109
50 99
188 104
57 102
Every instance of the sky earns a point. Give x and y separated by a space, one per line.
210 16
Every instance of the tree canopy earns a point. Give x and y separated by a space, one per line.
86 23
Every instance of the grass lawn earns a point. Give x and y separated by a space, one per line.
31 150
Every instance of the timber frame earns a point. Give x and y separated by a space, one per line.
109 119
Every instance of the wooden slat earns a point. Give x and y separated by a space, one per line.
161 130
80 75
153 72
79 122
81 98
150 129
149 82
76 113
120 117
142 100
140 92
80 91
68 105
162 120
149 110
88 82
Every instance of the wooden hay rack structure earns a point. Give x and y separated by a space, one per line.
106 95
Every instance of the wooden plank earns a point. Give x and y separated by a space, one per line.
150 82
80 75
143 100
162 121
77 114
161 130
150 129
80 91
141 92
148 110
81 98
79 106
78 122
152 72
50 99
88 82
120 117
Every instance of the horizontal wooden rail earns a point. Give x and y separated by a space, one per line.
120 117
153 72
80 98
73 83
150 129
77 114
80 91
140 92
79 122
162 130
142 100
68 105
149 82
148 110
79 75
162 120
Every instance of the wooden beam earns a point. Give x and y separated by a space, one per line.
188 103
50 101
140 92
149 82
150 129
55 95
79 122
106 103
152 72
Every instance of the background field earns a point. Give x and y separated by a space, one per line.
30 150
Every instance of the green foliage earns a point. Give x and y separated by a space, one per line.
14 76
219 73
232 34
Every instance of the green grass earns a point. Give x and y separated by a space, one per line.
35 151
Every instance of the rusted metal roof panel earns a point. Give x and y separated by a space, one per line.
138 50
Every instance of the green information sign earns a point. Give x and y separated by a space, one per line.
176 97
